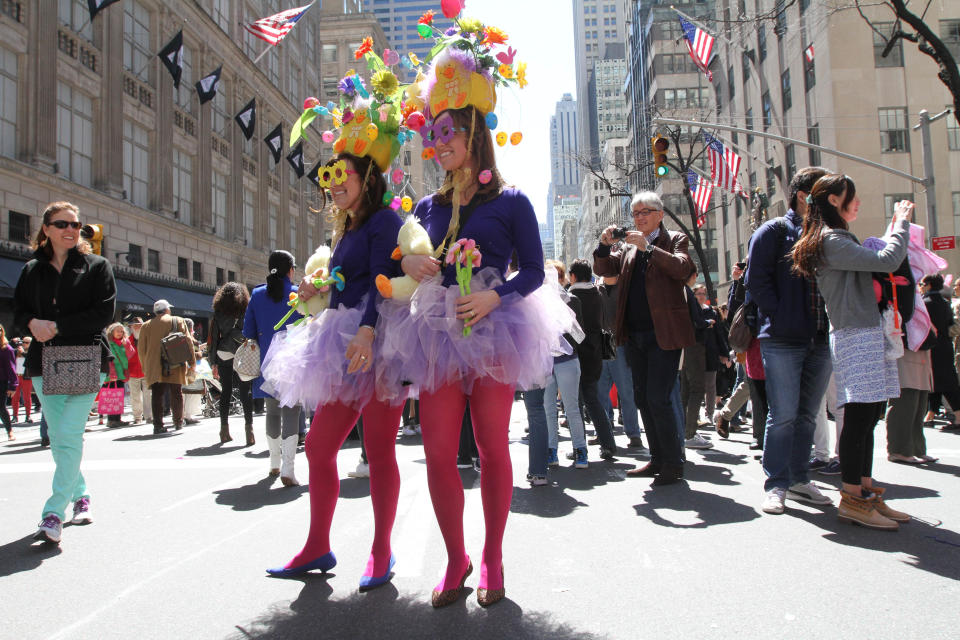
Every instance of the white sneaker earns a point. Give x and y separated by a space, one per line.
807 493
773 503
362 470
697 442
81 512
408 431
49 529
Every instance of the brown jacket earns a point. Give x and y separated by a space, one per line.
148 346
668 268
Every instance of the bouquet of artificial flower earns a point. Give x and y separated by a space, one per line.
464 255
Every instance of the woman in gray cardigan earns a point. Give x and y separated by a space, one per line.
865 378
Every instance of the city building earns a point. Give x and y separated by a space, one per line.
564 164
566 209
609 75
599 206
90 115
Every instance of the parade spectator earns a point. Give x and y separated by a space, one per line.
865 377
140 397
8 379
693 370
793 342
589 352
61 314
160 381
267 306
226 335
724 416
616 371
24 389
193 389
905 440
653 322
121 351
945 382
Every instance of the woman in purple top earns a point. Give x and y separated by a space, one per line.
516 328
8 379
330 363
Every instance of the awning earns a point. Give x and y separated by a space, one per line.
184 303
9 274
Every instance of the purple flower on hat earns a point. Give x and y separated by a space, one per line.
346 87
452 31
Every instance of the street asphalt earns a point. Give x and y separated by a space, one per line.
184 528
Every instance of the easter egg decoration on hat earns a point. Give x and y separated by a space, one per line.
485 176
397 176
502 138
515 138
406 203
310 103
492 121
327 136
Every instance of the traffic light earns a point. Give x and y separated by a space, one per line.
659 146
93 233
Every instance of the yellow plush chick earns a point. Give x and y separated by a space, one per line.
318 266
412 240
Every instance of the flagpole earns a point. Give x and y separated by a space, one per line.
265 51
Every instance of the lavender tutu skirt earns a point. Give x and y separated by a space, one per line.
306 365
423 343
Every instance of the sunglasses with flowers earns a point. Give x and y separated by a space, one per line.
63 224
440 130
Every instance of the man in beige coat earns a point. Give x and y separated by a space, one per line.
152 332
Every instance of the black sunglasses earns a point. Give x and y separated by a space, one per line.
63 224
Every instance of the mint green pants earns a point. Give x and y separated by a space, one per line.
66 418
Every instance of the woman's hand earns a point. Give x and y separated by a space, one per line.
216 372
11 393
306 290
42 330
472 308
360 351
903 210
420 267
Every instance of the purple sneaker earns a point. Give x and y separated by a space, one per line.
81 512
49 530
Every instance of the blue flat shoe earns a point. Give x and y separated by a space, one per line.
324 563
372 582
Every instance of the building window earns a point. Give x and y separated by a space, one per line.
890 199
221 14
18 227
953 133
218 110
771 180
272 215
750 125
785 88
197 271
8 102
153 260
248 199
330 87
813 137
767 110
809 74
956 213
731 83
894 135
791 154
218 203
293 84
738 207
182 185
220 277
746 68
136 163
183 269
75 15
950 34
231 276
184 95
804 5
74 135
135 256
136 39
762 42
293 234
895 56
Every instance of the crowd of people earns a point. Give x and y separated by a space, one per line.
822 321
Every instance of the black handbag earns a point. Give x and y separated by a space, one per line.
608 346
71 370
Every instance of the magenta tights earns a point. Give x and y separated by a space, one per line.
441 414
330 427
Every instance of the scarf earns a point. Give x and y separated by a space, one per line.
119 351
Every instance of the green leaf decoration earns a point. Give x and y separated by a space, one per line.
297 130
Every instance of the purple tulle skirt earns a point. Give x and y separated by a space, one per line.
306 365
422 343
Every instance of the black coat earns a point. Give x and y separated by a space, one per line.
590 351
941 356
226 334
81 299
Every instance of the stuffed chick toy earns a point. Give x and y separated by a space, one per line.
412 240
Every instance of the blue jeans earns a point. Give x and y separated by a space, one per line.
654 381
617 372
537 435
566 378
797 376
43 425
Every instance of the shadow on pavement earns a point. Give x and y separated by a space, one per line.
710 509
213 449
20 555
26 447
550 501
940 467
259 494
353 488
384 613
708 473
148 436
714 455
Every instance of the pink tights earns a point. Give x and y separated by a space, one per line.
330 427
441 414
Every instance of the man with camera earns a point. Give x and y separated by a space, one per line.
653 323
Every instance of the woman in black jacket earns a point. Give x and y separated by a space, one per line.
65 297
226 334
945 383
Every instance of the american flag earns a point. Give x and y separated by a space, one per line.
274 28
700 45
808 53
701 190
724 164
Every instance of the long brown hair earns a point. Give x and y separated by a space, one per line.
808 251
42 241
3 336
480 147
373 187
231 299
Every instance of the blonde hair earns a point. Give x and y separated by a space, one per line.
561 270
113 327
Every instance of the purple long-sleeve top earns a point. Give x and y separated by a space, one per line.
499 227
8 367
362 254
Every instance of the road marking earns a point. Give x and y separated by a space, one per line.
206 493
154 464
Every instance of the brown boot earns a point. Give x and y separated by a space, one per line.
249 431
225 432
883 509
857 510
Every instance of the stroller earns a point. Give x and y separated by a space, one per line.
210 390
